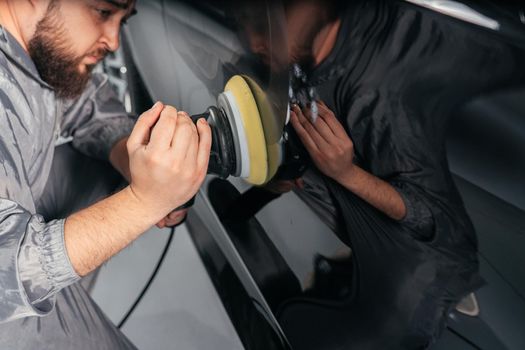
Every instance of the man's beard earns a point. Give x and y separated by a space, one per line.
302 50
56 65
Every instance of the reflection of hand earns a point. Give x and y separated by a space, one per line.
284 186
168 158
326 141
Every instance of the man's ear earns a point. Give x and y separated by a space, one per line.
29 13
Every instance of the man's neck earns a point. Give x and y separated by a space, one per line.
324 42
9 21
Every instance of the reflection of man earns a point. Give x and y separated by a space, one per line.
385 172
48 48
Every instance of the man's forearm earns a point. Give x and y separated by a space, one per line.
96 233
375 191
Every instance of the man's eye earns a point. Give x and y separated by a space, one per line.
104 14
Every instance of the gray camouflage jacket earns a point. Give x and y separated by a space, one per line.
34 265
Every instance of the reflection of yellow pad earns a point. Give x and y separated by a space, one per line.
253 129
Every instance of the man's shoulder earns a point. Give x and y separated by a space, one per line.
7 74
15 81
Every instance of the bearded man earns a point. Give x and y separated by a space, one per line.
48 49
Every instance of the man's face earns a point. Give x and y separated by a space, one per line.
73 37
303 24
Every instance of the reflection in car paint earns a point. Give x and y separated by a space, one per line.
437 65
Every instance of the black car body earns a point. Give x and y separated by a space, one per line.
183 53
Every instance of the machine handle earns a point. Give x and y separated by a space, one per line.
196 117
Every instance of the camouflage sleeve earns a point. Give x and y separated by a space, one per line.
34 264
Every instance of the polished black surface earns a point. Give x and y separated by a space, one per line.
247 315
434 99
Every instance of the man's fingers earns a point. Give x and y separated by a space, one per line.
322 129
170 223
191 156
299 182
175 217
331 121
203 155
182 137
161 223
307 125
320 126
177 214
162 133
303 134
142 129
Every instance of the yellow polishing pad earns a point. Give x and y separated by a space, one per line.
253 129
270 126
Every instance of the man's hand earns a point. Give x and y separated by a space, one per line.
327 142
168 158
172 219
120 159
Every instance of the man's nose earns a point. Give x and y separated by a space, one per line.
111 37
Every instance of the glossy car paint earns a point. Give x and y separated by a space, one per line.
485 144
